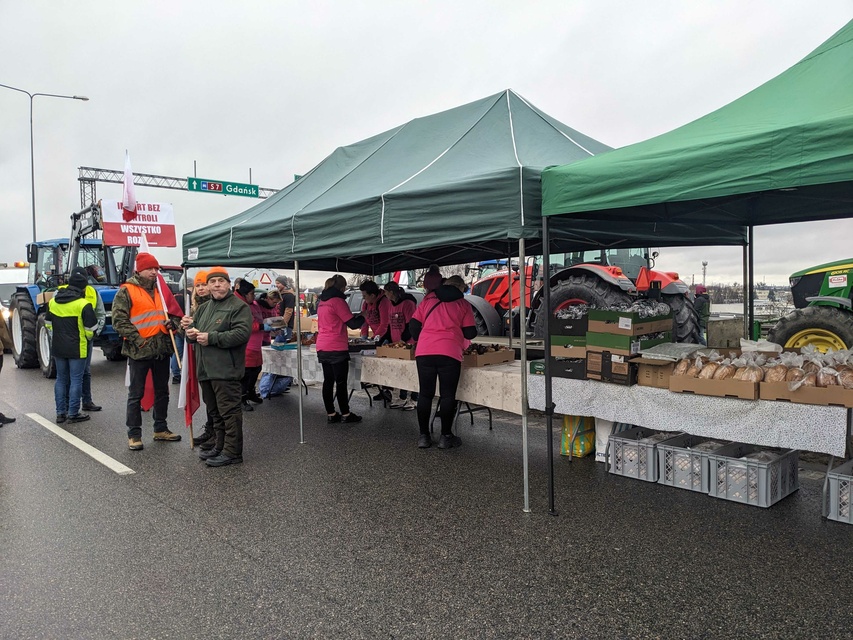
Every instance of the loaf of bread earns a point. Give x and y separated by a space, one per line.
682 367
692 371
811 367
739 373
753 374
795 374
708 371
724 372
776 374
845 378
809 380
826 378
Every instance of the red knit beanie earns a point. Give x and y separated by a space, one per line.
433 279
146 261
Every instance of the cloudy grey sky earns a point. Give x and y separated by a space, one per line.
275 86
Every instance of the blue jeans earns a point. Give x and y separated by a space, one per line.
173 363
69 385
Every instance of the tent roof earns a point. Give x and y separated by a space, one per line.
452 187
781 153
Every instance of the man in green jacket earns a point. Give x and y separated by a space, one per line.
221 328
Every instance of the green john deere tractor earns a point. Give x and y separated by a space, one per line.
824 309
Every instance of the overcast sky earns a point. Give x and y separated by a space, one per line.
274 87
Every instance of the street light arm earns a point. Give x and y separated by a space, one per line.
16 89
56 95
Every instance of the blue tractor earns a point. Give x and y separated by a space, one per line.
51 262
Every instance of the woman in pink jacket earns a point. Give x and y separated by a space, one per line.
442 324
254 357
333 318
403 307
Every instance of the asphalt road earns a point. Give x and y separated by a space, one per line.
358 534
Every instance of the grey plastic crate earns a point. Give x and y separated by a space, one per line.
841 493
633 452
683 462
755 482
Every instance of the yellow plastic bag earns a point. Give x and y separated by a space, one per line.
584 444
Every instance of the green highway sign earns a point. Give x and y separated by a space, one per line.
222 187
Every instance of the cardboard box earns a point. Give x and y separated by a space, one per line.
569 341
568 327
491 357
399 354
606 366
653 373
828 396
572 368
624 320
718 388
622 345
632 329
568 352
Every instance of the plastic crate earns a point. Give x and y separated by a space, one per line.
633 454
683 462
760 483
841 493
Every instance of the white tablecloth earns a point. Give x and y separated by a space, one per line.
495 386
762 422
283 363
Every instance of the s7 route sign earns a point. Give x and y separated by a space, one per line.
222 187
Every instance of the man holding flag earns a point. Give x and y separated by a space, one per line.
141 317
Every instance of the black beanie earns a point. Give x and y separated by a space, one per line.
78 279
245 287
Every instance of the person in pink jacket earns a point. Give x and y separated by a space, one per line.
403 307
376 310
254 358
441 325
333 318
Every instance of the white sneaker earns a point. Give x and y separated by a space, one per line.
409 405
397 404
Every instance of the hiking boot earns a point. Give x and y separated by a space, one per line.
255 398
351 417
78 417
246 406
176 379
166 435
5 420
449 441
424 441
134 444
200 439
60 418
410 405
221 460
334 418
91 406
209 453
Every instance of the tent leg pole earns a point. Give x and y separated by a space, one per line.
298 324
521 309
751 237
509 291
745 294
545 307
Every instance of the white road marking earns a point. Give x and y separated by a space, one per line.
89 450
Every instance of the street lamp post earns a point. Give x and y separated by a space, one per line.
32 158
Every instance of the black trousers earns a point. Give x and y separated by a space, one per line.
222 398
250 379
159 368
335 386
447 370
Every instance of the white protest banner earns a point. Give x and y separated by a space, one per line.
154 219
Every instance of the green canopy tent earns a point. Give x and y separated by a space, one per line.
452 187
781 153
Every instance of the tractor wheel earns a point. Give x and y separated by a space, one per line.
579 289
23 323
823 327
112 352
685 320
46 362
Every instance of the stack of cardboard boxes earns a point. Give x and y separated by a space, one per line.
614 338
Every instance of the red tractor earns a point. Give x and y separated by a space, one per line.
605 278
